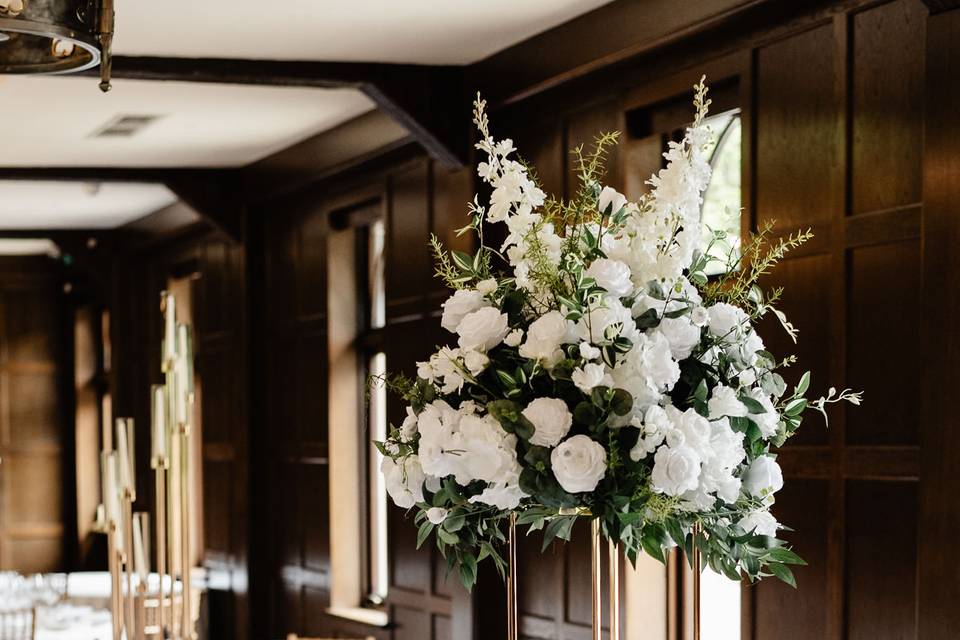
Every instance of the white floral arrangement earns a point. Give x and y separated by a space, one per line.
599 373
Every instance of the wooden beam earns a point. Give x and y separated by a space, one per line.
939 6
426 100
218 198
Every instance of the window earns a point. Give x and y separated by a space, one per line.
721 200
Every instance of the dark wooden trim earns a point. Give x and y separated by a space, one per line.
426 100
216 197
939 6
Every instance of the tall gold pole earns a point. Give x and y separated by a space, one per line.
161 529
696 583
614 570
595 568
128 557
116 609
187 606
513 630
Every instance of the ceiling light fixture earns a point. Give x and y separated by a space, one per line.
56 36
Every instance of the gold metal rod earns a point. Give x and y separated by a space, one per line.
595 569
614 570
115 610
128 558
513 630
187 562
161 529
696 583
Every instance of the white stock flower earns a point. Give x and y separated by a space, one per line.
676 470
726 321
404 481
611 199
551 421
483 329
487 286
475 362
457 306
514 338
724 402
436 515
612 275
588 351
768 420
409 426
763 479
545 336
591 375
579 464
761 522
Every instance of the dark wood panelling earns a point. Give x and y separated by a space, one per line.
882 519
887 94
796 116
939 575
892 418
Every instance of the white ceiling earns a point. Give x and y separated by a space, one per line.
412 31
27 204
199 125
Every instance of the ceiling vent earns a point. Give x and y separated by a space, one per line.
124 126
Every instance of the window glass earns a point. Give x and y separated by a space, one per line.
721 200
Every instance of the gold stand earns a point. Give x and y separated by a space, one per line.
513 630
597 599
159 468
696 583
614 571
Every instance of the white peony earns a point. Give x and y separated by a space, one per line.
761 522
724 402
591 375
545 336
611 201
436 515
485 451
483 329
457 306
612 275
695 429
579 464
404 481
763 479
676 470
551 421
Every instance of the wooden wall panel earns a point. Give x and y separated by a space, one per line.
881 560
796 127
887 94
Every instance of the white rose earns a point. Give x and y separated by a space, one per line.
591 375
763 479
724 402
551 421
611 201
457 306
436 515
579 464
682 334
545 336
487 286
761 522
676 470
612 275
475 361
514 338
726 320
483 329
404 481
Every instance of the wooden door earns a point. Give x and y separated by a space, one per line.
31 421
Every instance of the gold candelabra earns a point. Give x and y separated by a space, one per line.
165 609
